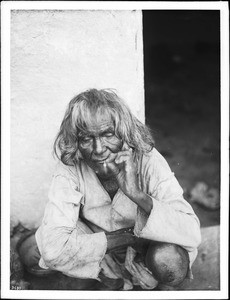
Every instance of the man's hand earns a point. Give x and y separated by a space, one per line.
115 239
120 238
124 168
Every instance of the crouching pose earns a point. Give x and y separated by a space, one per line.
116 212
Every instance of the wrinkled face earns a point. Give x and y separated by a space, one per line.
98 143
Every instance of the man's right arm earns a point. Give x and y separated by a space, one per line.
115 239
64 244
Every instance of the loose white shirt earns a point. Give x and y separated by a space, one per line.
68 245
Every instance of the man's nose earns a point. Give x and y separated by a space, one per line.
98 146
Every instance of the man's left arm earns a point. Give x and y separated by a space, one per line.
163 214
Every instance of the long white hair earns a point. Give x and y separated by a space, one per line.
79 115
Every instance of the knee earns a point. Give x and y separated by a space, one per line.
168 263
28 252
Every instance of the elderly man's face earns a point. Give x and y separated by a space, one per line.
99 142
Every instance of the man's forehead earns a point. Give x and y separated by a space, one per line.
99 123
98 127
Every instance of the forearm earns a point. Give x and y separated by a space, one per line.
116 239
170 223
120 238
143 200
72 253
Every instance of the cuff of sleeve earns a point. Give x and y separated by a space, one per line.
97 246
142 222
85 260
164 224
87 264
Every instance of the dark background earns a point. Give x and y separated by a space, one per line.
182 95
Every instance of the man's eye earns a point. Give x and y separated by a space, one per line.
108 134
85 139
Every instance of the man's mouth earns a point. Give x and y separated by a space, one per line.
99 161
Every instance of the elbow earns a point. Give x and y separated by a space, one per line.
193 234
52 247
51 256
196 239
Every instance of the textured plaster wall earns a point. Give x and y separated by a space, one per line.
54 56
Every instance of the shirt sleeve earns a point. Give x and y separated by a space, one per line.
172 218
65 243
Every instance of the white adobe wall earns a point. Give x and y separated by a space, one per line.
54 56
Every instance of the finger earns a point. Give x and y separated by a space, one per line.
121 159
111 157
113 168
123 153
